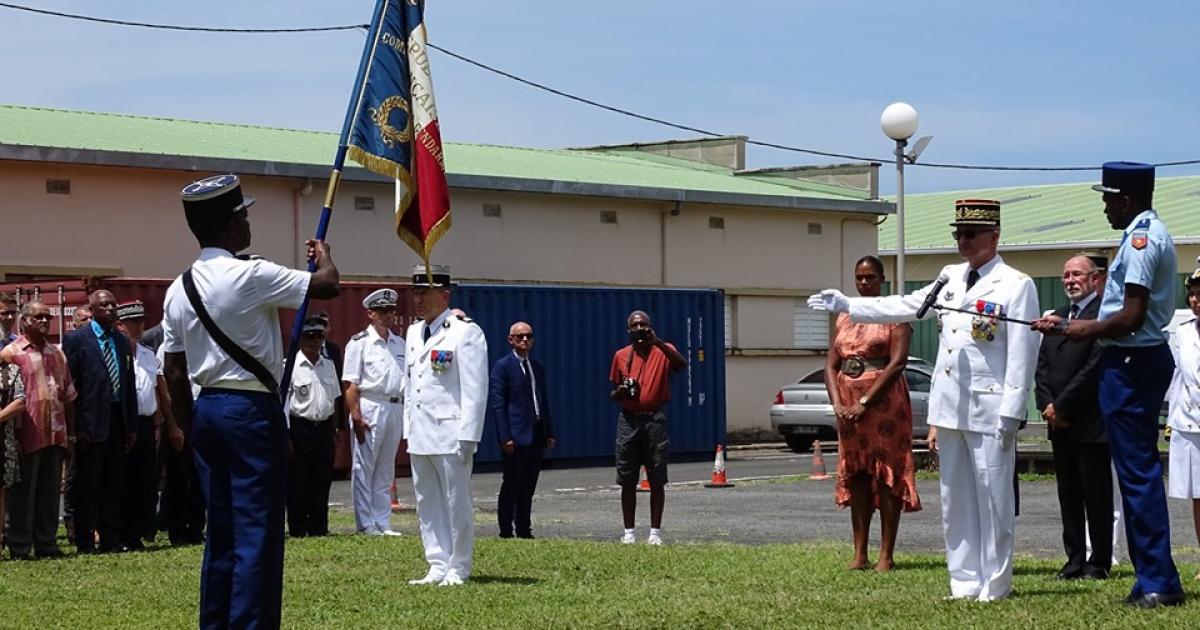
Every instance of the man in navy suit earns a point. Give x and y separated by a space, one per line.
518 402
105 423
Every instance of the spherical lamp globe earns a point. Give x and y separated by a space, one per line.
899 121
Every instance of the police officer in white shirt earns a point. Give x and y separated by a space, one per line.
373 372
444 407
139 497
236 425
312 398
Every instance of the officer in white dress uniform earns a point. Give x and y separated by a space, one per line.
373 371
444 405
981 382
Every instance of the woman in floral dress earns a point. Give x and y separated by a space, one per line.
864 375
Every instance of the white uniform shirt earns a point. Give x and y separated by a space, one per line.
314 389
984 366
1184 396
375 365
447 385
243 298
146 369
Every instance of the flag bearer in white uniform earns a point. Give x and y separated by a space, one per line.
444 405
980 386
373 373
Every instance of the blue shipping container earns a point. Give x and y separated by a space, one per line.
577 330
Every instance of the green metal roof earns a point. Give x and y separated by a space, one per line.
600 169
1041 216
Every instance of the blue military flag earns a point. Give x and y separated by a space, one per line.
393 124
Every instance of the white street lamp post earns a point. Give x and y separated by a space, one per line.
899 122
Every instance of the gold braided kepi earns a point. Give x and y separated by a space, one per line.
982 212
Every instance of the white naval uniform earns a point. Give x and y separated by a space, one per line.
376 366
979 392
444 405
146 369
1183 479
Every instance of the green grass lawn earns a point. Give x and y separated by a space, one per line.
349 581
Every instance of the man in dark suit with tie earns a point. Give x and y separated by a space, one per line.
517 401
105 414
1067 384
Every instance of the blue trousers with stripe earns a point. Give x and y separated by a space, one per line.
1133 382
240 443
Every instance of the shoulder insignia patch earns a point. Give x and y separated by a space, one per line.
359 335
1138 240
1142 225
464 318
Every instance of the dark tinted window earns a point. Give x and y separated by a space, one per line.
817 376
917 381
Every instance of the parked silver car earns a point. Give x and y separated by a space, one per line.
802 412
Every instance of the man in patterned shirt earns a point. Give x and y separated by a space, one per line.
46 431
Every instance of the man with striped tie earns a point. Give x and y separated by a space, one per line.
105 423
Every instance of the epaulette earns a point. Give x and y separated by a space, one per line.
464 318
249 257
361 334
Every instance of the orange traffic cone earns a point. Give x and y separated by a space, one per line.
818 463
644 486
718 475
395 501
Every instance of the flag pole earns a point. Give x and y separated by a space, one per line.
335 178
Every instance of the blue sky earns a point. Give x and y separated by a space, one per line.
1014 83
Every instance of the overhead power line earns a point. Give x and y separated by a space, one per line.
567 95
174 27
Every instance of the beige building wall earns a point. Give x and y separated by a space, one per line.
125 221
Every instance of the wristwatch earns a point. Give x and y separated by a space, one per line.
863 400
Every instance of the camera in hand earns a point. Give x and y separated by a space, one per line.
627 390
639 336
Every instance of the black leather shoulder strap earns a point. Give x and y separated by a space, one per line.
235 352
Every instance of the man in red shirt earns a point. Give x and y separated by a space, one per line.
641 379
45 432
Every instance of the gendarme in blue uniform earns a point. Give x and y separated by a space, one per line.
1146 258
1135 372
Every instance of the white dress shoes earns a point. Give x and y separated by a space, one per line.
452 579
430 578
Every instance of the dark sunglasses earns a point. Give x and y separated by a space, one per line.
44 317
520 336
314 334
967 234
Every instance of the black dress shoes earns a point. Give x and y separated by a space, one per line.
527 536
1094 573
1154 600
1069 572
506 534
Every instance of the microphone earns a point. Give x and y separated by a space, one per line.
938 285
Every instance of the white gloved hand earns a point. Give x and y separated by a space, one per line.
829 300
466 450
1006 432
